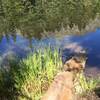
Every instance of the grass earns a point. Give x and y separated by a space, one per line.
39 70
85 85
29 79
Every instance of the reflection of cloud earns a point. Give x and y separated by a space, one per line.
67 39
6 58
10 55
13 52
75 47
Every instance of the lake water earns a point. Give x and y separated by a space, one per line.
69 44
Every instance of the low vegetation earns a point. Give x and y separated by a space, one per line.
84 85
29 79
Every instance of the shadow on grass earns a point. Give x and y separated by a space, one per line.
97 91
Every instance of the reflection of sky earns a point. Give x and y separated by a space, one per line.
90 42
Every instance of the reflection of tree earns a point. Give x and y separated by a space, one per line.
14 37
35 16
7 37
1 36
30 43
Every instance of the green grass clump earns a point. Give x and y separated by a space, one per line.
30 78
84 85
39 70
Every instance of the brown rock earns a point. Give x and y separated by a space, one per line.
61 88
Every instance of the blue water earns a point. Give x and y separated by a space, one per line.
89 42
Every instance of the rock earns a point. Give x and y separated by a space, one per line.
61 88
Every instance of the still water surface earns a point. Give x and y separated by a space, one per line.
69 44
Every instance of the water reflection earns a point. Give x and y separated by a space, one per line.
90 42
69 44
